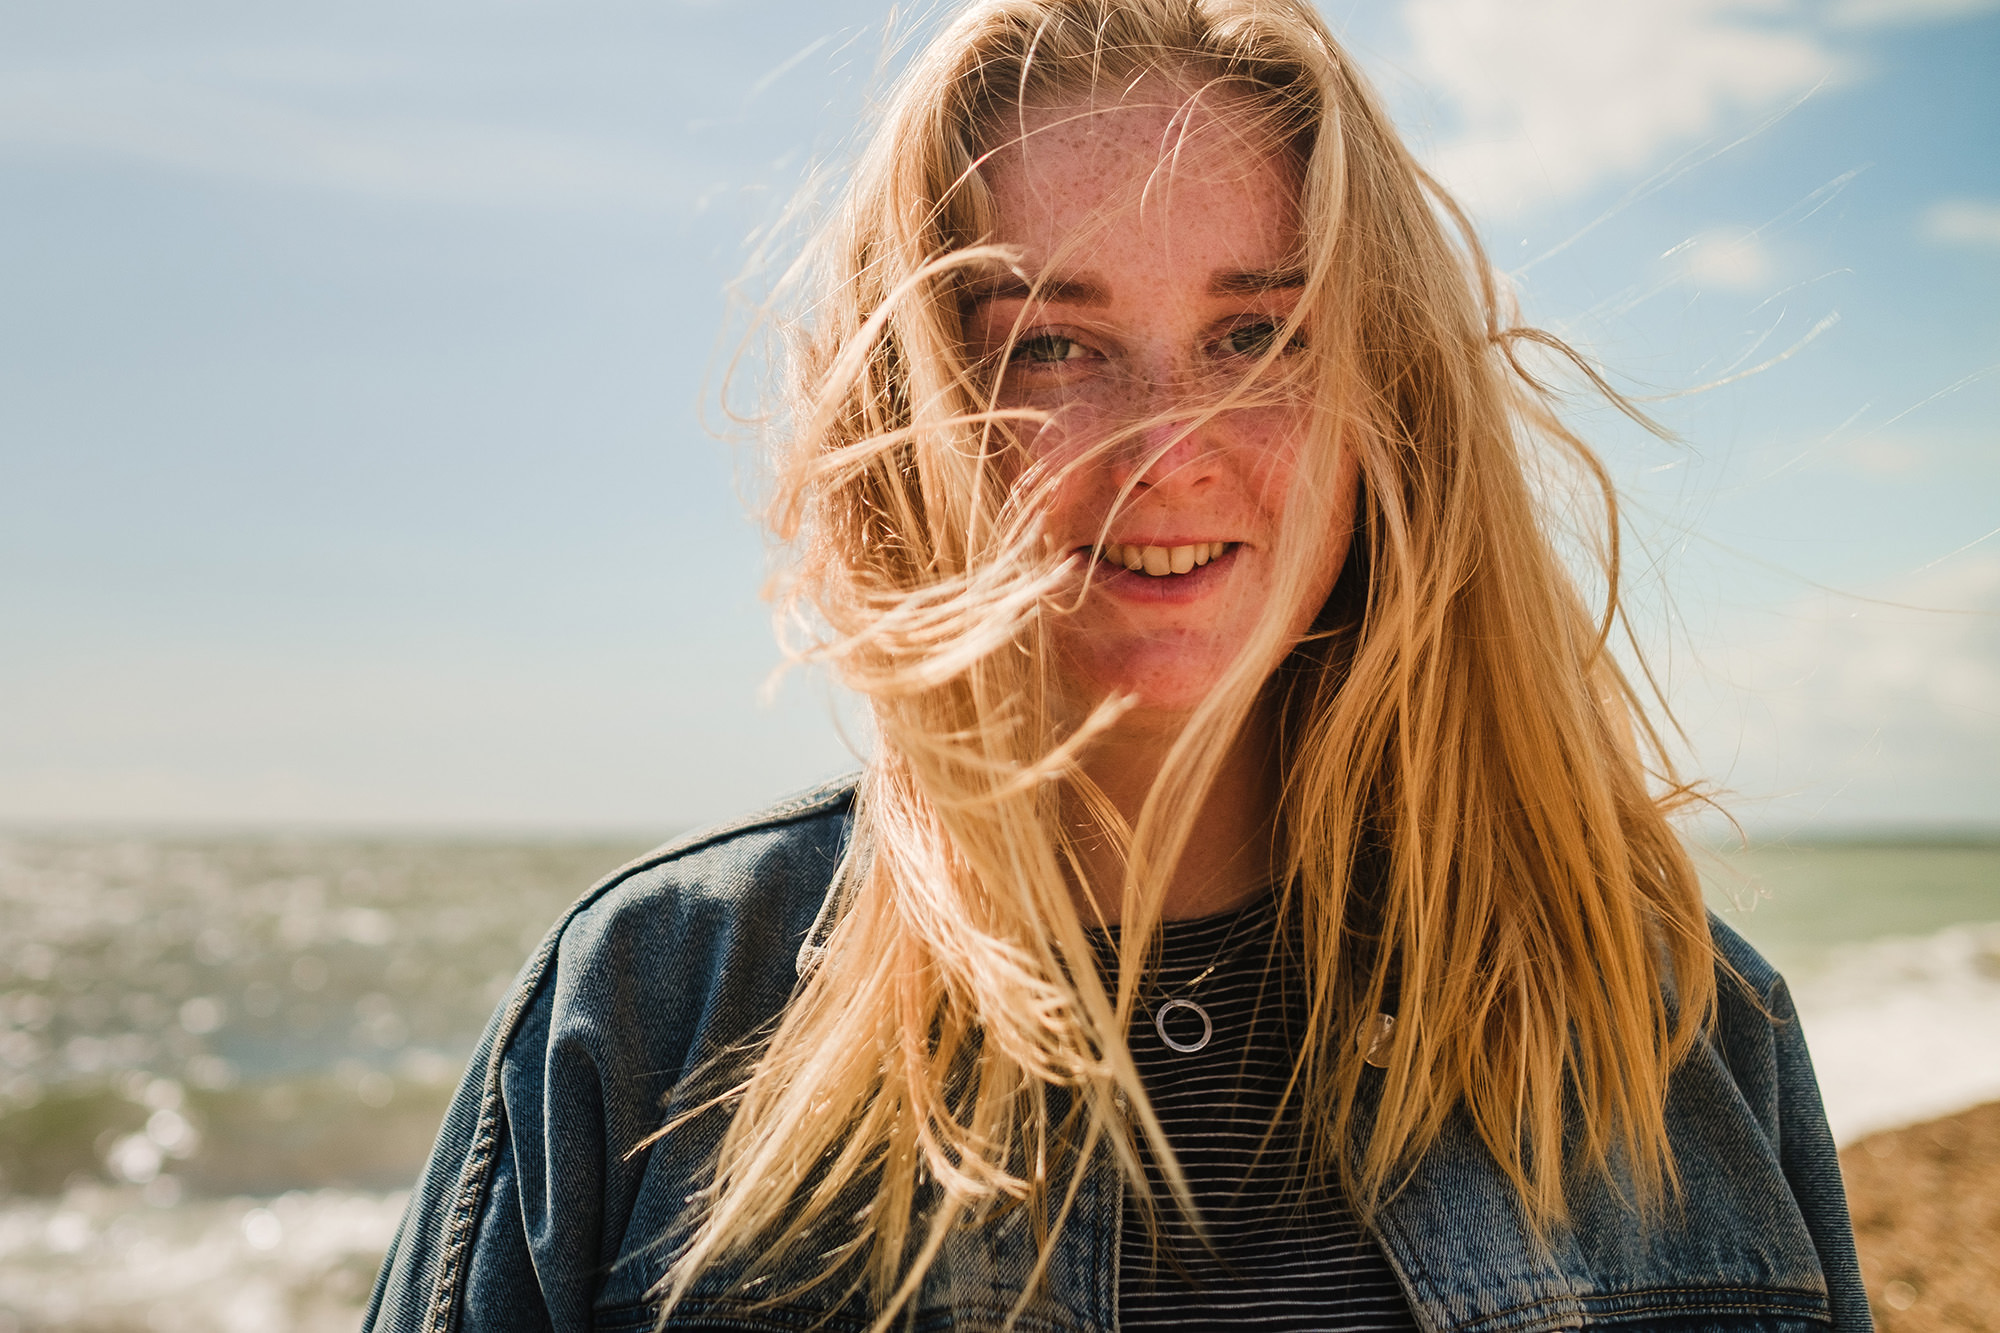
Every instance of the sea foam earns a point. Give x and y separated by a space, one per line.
1905 1028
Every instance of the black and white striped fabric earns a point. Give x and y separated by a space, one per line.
1279 1263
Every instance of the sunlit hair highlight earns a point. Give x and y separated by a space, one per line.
1472 831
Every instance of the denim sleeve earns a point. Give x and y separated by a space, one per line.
1759 1031
518 1221
503 1286
1812 1165
542 1208
427 1258
462 1258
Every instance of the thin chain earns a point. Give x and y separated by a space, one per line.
1223 954
1170 1003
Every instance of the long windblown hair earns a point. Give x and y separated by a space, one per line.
1471 830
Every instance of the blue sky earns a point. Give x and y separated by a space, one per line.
357 461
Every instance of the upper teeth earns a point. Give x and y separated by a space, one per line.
1159 561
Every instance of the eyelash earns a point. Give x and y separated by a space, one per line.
1267 331
1028 350
1049 349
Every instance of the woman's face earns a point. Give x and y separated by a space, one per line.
1164 241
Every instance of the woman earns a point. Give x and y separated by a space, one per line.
1256 907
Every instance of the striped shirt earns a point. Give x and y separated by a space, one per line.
1278 1264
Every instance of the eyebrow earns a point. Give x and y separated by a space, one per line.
1083 292
1254 282
1014 287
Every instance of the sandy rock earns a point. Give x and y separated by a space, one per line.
1926 1206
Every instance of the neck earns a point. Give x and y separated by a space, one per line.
1229 855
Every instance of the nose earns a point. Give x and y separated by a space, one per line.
1168 443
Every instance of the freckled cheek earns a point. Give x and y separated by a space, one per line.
1095 420
1074 452
1263 445
1072 431
1092 410
1057 467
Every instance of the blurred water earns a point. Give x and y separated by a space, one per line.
1803 905
222 1061
104 1258
1892 950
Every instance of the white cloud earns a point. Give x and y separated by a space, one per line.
184 125
1554 96
1964 221
1882 709
1724 260
1881 13
1886 455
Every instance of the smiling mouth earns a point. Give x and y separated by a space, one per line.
1163 561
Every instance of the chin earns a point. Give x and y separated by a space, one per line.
1162 690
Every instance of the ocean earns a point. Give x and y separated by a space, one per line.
222 1060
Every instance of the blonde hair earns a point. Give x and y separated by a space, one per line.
1467 832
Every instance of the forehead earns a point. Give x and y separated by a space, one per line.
1151 163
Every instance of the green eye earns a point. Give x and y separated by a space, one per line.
1256 339
1046 349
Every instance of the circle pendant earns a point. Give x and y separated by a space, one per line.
1184 1047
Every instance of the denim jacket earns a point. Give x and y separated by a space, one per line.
538 1211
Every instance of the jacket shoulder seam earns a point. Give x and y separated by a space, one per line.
805 805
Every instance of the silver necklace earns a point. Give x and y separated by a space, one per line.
1175 1004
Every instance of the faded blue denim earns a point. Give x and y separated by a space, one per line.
535 1212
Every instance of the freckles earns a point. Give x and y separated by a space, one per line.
1056 462
1265 444
1044 444
1070 433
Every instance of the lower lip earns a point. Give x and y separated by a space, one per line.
1135 585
